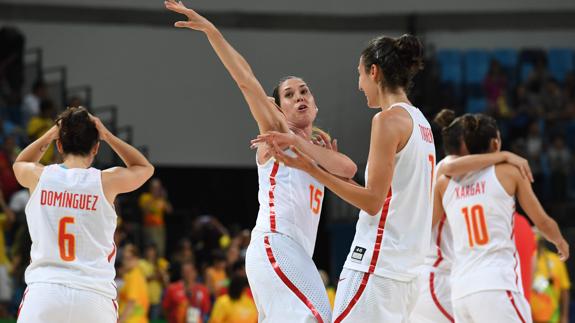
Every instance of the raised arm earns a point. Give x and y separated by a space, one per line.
26 166
546 225
455 166
119 180
265 112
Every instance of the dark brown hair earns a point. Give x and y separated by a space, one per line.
478 131
398 58
451 131
78 133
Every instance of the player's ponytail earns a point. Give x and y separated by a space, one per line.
451 131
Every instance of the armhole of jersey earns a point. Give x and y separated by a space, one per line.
35 192
409 140
101 188
447 190
496 179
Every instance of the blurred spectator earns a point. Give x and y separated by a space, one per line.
38 125
559 157
155 269
133 294
8 183
330 290
31 104
216 275
534 150
6 220
553 101
209 235
569 87
154 205
237 306
495 87
538 77
187 300
12 43
526 245
551 284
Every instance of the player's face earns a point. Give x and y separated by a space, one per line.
297 103
367 84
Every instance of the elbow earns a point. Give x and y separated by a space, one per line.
374 207
350 170
150 169
246 81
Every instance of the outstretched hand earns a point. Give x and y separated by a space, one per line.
195 20
563 250
521 163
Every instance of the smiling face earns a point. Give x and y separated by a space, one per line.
297 102
367 83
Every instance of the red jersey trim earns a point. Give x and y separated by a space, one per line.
380 229
271 196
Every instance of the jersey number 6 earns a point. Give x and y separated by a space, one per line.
66 239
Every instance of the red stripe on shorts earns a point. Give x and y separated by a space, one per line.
515 306
22 302
354 299
271 196
288 283
436 300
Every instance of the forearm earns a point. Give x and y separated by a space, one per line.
465 164
565 300
363 198
549 229
234 62
332 161
131 156
34 152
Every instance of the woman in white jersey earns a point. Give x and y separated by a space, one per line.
72 221
479 207
434 301
378 282
284 280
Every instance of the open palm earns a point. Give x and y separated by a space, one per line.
195 20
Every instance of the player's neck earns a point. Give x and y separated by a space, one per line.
387 99
72 161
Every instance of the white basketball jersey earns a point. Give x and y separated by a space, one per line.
394 242
72 229
290 203
480 213
440 254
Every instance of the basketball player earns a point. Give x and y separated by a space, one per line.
434 301
284 280
479 208
72 221
378 282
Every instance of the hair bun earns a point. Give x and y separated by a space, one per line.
470 123
411 51
444 118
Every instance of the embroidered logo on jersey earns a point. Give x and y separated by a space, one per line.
357 254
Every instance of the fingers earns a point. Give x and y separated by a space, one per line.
183 24
530 174
334 145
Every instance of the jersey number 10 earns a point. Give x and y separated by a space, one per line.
66 240
476 226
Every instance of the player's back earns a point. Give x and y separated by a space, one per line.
393 243
480 213
72 227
